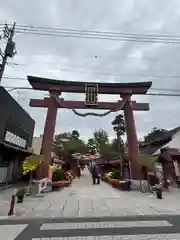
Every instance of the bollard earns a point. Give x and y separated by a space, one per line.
12 204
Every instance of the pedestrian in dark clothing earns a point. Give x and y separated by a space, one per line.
79 172
127 181
178 182
96 174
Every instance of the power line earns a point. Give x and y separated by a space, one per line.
111 74
15 78
163 94
99 37
57 29
103 73
150 94
60 32
102 35
106 74
166 89
17 88
87 57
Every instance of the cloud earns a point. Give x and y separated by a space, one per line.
74 59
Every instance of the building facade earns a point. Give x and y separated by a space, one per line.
16 134
170 141
36 145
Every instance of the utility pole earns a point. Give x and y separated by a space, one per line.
9 49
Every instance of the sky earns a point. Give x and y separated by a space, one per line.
74 59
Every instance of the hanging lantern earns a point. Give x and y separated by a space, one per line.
91 93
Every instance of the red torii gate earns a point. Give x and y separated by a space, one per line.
56 87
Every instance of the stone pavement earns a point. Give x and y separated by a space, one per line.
83 199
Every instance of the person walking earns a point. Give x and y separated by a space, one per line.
95 174
78 172
127 180
178 181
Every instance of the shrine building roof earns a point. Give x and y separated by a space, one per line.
46 84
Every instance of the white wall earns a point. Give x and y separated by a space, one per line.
174 143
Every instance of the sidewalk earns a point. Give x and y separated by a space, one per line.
83 199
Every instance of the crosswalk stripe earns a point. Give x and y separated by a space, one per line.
119 237
10 232
112 224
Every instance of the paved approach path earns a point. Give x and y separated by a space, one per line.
83 199
90 212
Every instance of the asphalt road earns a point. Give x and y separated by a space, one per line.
109 226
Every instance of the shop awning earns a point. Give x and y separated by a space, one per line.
102 161
113 161
15 148
86 156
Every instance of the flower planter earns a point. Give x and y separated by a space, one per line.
61 184
117 185
72 173
106 180
114 182
69 176
56 185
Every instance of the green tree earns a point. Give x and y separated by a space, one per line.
115 145
119 127
75 134
65 144
154 135
92 146
101 140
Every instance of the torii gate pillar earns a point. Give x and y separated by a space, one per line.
47 140
133 148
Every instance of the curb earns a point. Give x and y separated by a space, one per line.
5 187
97 218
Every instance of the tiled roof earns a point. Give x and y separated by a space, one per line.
152 147
174 151
149 150
165 136
108 157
